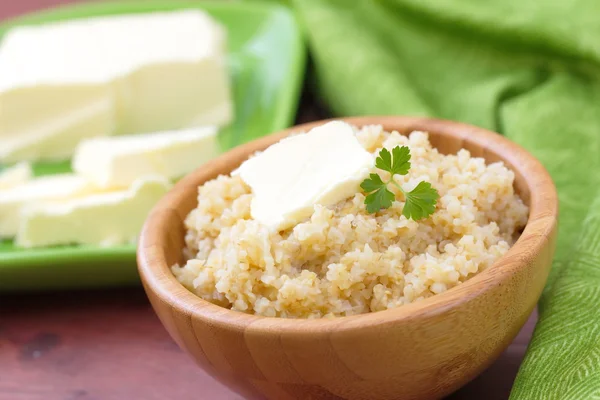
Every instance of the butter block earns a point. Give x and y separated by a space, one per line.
15 175
177 77
54 187
119 160
104 219
47 123
65 81
324 166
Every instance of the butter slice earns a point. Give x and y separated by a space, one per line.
55 187
70 80
323 166
177 77
104 219
15 175
47 123
118 161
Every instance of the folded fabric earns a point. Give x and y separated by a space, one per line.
563 359
529 70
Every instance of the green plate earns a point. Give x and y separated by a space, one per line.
266 61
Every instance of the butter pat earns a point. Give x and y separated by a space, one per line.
323 166
118 161
66 81
55 187
15 175
104 219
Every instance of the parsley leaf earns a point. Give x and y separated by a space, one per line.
372 183
419 203
401 163
380 196
397 162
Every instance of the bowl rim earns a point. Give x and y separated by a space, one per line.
543 214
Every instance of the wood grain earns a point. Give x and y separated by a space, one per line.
109 345
93 345
423 350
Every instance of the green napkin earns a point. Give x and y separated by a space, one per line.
529 70
563 358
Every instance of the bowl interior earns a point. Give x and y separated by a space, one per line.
451 145
162 240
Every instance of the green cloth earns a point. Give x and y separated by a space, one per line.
527 69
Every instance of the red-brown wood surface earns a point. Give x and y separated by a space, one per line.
109 345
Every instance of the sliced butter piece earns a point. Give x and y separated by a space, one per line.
323 166
64 81
118 161
104 219
47 123
177 77
54 187
15 175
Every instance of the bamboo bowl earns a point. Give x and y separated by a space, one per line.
423 350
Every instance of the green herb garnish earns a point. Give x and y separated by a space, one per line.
419 202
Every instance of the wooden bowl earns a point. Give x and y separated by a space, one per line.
423 350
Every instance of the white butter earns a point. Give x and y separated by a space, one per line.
119 160
55 187
323 166
15 175
65 81
47 123
104 219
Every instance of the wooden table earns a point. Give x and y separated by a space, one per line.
109 345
